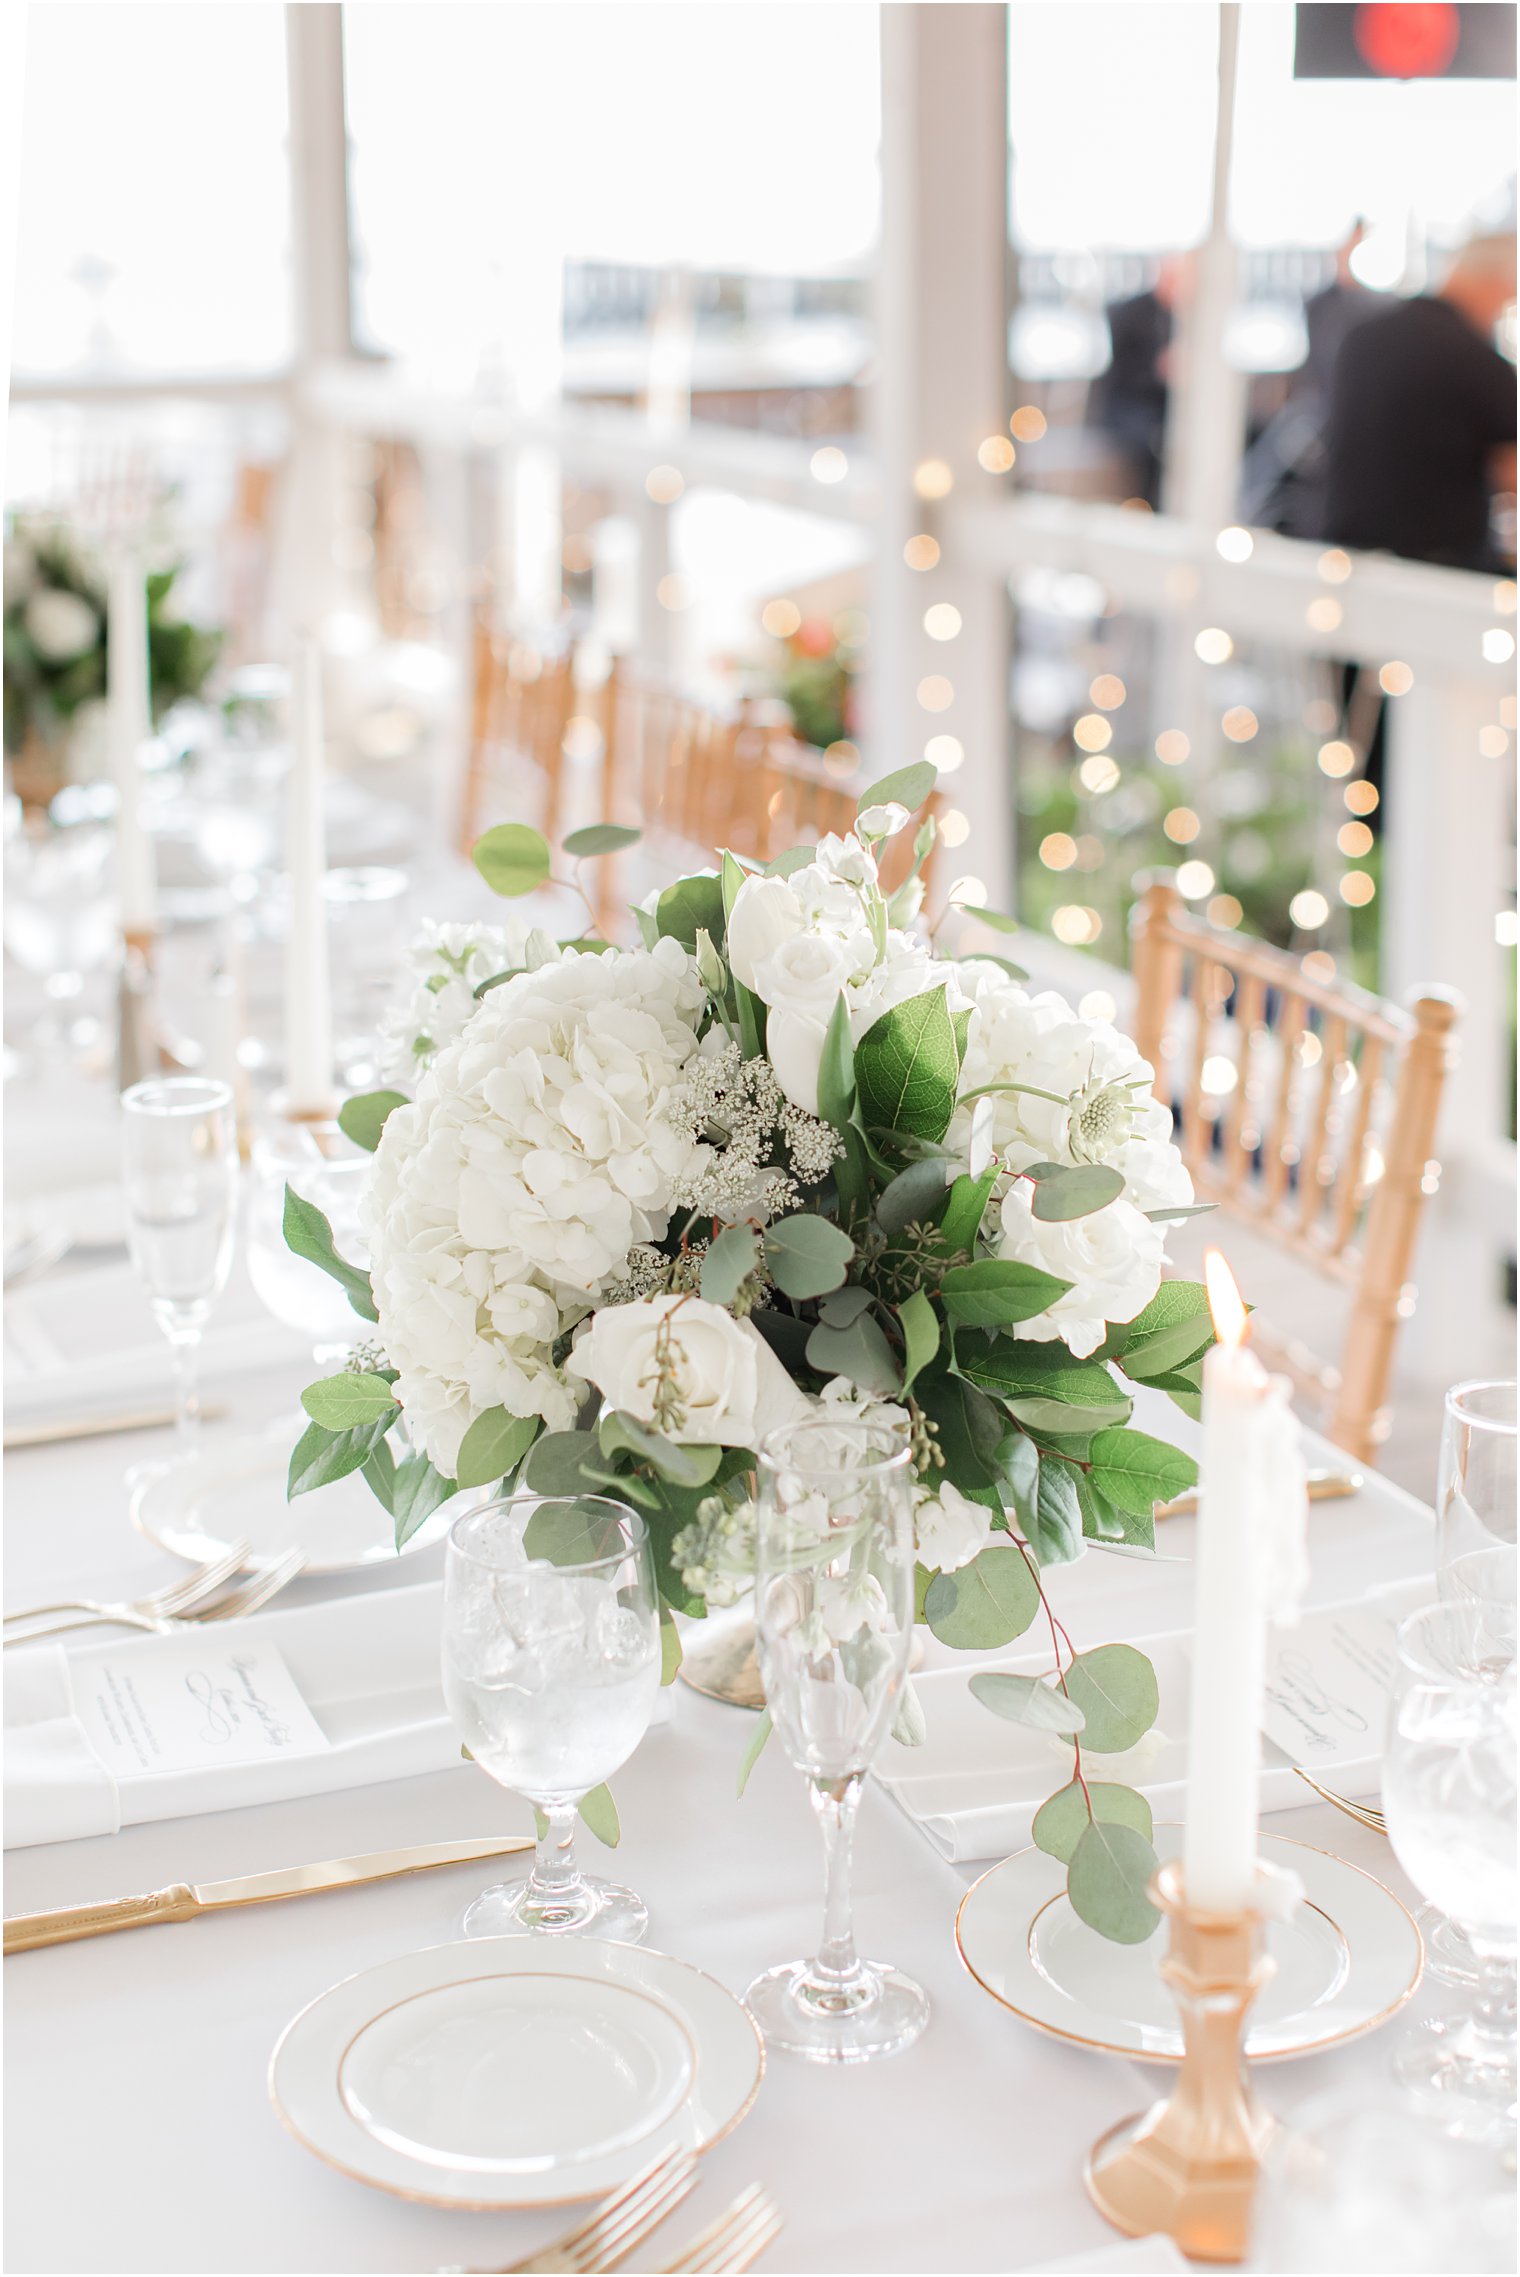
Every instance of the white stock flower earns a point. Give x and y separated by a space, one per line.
730 1386
1112 1259
951 1529
538 1150
445 966
60 625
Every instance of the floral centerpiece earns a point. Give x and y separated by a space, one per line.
644 1204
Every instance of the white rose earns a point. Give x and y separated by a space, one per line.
1112 1259
731 1384
951 1529
766 912
846 858
794 1047
804 973
61 625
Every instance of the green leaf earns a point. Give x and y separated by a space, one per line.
860 1352
1175 1327
494 1445
968 1425
1115 1687
729 1263
1179 1211
1064 1190
513 859
565 1462
984 1604
690 906
1136 1472
362 1118
378 1472
417 1490
684 1466
964 1211
836 1070
339 1402
1005 964
1056 1532
998 1290
1060 1824
496 980
913 1195
910 1726
670 1648
1026 1700
998 922
806 1255
1046 1389
795 858
752 1753
1107 1880
1019 1468
600 838
574 1531
920 1326
906 1067
908 786
599 1816
308 1234
321 1456
732 875
1103 1521
841 1306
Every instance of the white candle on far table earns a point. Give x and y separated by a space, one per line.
129 724
309 1087
1250 1518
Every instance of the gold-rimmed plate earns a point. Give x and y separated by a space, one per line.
515 2071
1349 1959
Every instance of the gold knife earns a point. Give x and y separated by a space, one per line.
183 1901
1324 1486
100 1426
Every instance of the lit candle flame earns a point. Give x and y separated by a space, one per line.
1224 1299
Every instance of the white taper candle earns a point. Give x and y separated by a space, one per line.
129 724
309 1088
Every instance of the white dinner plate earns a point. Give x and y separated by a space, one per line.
515 2071
233 1490
1346 1961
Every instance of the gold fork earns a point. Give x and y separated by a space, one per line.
248 1598
734 2241
620 2225
254 1594
180 1596
1365 1814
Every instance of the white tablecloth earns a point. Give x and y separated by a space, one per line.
139 2132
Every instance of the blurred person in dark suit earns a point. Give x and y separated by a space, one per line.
1129 400
1421 431
1329 315
1282 479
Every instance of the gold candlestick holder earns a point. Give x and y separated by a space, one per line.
1189 2166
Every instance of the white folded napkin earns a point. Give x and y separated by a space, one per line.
79 1343
367 1667
975 1783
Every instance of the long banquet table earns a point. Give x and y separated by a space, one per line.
139 2132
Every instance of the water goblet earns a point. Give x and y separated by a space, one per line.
1449 1795
551 1665
834 1618
180 1171
60 920
318 1163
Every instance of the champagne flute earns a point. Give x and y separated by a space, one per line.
551 1665
834 1616
1449 1793
180 1170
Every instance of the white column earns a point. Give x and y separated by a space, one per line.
1206 416
942 390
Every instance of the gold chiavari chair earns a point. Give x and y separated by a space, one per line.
1307 1109
523 698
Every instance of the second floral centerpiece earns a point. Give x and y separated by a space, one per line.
645 1205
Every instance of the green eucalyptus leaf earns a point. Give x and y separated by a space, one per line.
907 1067
670 1647
841 1306
920 1327
996 1291
564 1462
363 1117
573 1530
806 1255
860 1352
1180 1210
729 1263
994 918
1107 1881
689 1466
493 1446
513 859
599 1816
1115 1687
1060 1824
1018 1461
691 906
970 1427
600 838
914 1195
907 787
1136 1472
1056 1533
984 1604
755 1749
1026 1700
1064 1190
339 1402
308 1234
795 858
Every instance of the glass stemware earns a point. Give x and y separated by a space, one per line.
551 1665
1449 1795
317 1162
834 1587
60 920
180 1170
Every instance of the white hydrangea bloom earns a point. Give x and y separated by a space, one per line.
538 1151
445 966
